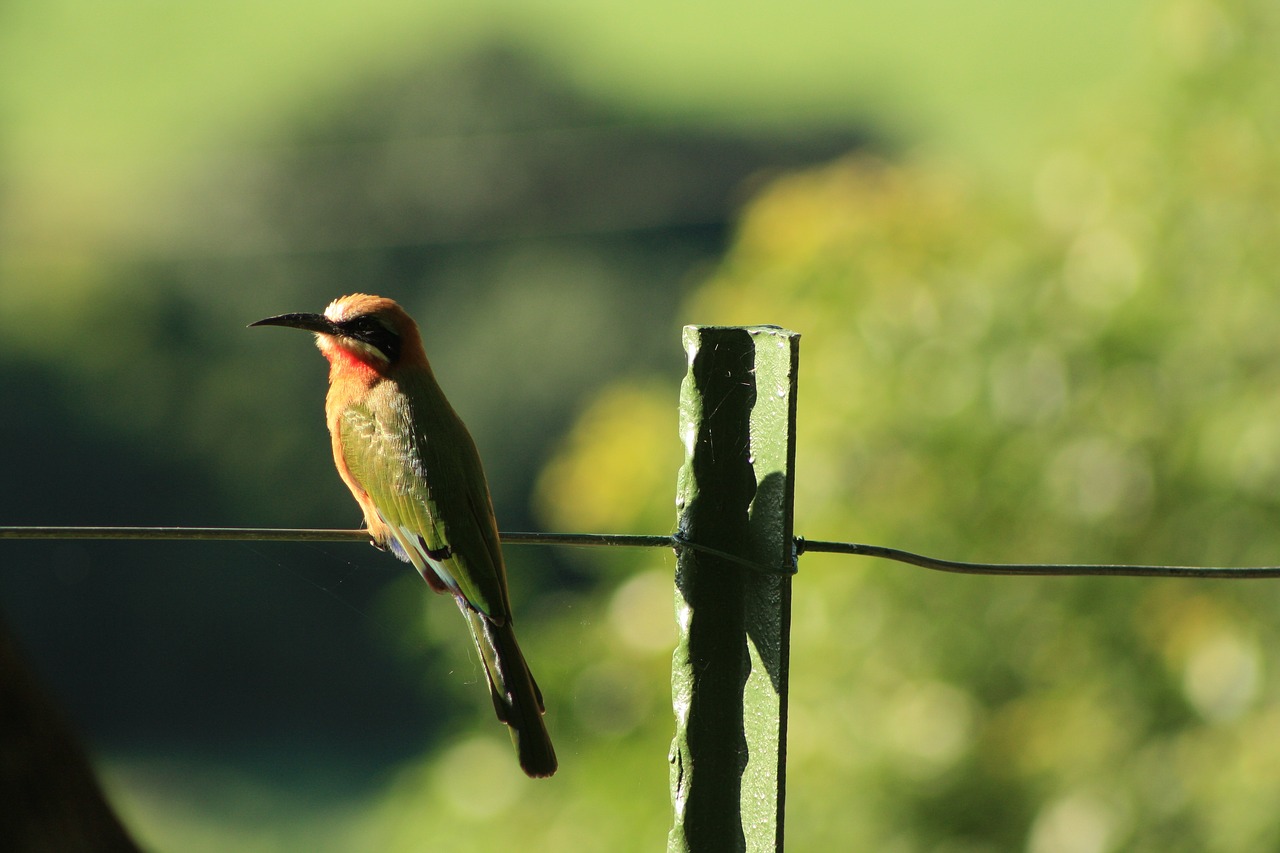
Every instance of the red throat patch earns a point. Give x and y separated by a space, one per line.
344 361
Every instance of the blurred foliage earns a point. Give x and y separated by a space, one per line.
104 110
1083 371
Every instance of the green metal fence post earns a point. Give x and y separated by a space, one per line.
733 589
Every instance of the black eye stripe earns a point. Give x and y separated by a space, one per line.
369 331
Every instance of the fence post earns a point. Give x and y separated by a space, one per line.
733 589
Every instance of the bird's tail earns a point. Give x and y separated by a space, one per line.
516 697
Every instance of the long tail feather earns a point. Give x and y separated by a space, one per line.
517 701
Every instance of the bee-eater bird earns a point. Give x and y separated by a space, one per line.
413 468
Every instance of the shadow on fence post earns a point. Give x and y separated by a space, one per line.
733 589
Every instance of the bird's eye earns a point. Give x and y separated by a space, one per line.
372 331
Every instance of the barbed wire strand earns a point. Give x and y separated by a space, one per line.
802 546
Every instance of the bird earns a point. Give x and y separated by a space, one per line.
413 468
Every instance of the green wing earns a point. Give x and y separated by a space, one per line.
414 457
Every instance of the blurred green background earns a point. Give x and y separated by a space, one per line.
1031 248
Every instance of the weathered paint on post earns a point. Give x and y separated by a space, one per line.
733 589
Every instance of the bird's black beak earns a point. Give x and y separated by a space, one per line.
306 322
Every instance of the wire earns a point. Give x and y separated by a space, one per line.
289 534
1037 569
802 545
234 534
624 540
